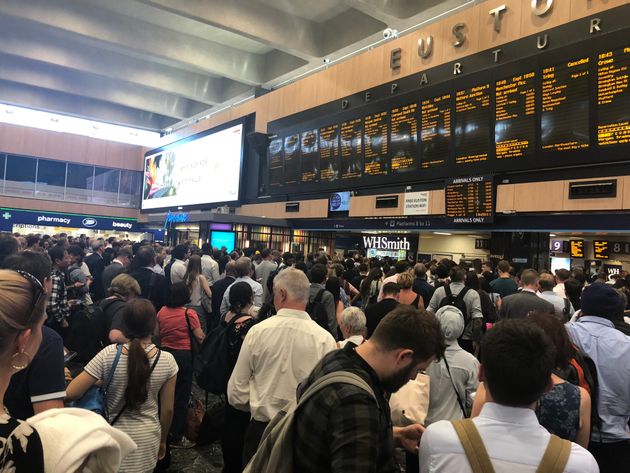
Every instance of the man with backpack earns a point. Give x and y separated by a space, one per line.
467 301
346 426
321 303
517 359
277 354
595 335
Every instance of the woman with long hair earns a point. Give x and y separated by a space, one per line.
143 375
370 287
176 326
197 283
239 321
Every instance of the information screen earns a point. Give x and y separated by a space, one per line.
565 110
404 139
292 159
310 156
329 152
601 249
435 131
613 97
472 122
220 239
276 162
351 149
204 169
470 199
515 125
376 146
577 248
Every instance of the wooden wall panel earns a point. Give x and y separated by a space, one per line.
625 202
317 208
510 23
470 17
582 8
439 45
437 202
365 206
539 196
505 198
67 207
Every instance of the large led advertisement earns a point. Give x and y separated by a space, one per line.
201 170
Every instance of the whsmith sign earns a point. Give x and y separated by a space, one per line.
11 217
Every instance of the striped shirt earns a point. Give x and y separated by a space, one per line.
142 425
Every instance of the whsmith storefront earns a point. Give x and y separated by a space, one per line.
51 223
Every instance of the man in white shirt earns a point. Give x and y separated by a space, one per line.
264 269
209 267
178 269
563 308
561 276
516 365
244 273
277 354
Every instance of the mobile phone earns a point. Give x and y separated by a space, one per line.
69 356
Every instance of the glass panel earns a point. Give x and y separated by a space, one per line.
51 178
129 195
106 186
79 183
20 178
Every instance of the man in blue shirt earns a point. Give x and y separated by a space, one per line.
595 334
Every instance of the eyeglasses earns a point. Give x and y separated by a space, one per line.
37 285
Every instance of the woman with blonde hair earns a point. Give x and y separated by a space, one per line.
407 296
34 445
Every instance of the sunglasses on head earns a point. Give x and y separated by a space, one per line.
37 286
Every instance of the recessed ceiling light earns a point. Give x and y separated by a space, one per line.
442 233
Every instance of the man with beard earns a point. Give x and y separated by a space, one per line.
342 427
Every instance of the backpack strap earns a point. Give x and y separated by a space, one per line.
473 446
556 456
336 377
113 369
459 399
461 294
448 292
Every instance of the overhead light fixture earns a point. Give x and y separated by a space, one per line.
442 233
552 235
474 236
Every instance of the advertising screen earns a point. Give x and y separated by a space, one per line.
200 170
560 263
220 239
339 202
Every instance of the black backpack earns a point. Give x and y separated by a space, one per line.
317 310
110 308
456 301
211 365
87 324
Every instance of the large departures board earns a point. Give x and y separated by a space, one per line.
556 109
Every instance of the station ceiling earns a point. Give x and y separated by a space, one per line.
155 64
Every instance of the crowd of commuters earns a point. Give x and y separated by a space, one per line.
526 369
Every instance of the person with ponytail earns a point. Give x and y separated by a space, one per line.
239 322
143 376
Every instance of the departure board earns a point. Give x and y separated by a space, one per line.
472 122
515 114
292 159
470 199
375 141
276 162
310 165
329 153
404 139
351 149
435 131
601 249
613 97
577 248
565 110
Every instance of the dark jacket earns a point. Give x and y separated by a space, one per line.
96 265
157 293
517 306
376 312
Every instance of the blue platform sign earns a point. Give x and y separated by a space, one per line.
10 217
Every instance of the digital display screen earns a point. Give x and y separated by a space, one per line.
577 248
472 122
470 199
339 202
515 116
375 141
292 159
560 263
329 153
310 156
565 110
351 149
601 249
404 139
435 131
275 158
195 171
220 239
613 97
